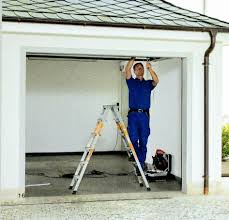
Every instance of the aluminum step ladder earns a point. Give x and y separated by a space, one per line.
90 147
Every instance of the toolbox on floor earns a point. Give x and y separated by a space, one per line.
161 167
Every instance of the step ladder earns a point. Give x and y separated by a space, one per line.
90 147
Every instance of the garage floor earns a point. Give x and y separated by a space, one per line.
117 176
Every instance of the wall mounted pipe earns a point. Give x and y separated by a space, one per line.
212 34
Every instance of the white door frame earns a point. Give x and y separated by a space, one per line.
185 105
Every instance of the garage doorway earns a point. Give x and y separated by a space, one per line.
64 97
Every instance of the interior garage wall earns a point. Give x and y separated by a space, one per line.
64 100
165 112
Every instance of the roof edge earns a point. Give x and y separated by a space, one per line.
109 24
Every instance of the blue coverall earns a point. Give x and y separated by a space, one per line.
138 122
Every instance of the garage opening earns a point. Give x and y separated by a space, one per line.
64 98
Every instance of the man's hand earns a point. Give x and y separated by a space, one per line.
148 65
128 68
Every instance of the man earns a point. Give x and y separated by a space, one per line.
139 105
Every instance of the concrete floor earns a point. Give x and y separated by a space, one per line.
118 176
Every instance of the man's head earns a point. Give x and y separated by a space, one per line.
138 69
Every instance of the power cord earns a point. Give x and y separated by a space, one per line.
92 174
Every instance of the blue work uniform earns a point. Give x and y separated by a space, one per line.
138 121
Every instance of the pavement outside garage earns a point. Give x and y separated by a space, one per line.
225 168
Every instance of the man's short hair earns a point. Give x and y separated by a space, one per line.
137 64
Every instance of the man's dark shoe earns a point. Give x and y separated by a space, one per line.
137 171
145 168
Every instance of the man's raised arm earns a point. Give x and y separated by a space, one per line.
128 68
153 74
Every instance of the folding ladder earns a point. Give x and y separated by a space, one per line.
90 147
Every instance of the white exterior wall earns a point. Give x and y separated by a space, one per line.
64 100
222 13
0 83
225 70
104 41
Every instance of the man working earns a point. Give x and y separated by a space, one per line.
139 105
